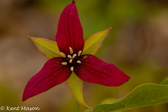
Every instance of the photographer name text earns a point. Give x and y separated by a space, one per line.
19 108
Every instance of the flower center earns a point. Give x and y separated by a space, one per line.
71 59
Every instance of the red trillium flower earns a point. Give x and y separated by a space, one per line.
72 59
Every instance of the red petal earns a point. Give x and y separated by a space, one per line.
52 74
94 70
70 32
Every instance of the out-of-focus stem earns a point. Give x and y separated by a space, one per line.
78 107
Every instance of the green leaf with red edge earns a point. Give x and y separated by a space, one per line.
94 42
47 47
75 84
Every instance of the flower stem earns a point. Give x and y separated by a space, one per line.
78 107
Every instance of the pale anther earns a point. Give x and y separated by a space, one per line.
70 61
72 68
62 54
79 53
79 62
64 63
71 50
69 56
74 56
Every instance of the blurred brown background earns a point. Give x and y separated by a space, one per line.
137 44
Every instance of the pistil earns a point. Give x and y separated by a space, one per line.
72 59
74 56
69 56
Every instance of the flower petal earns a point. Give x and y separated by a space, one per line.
70 32
75 84
94 70
94 42
47 47
52 74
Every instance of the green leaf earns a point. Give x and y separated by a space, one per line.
75 84
142 95
165 81
47 47
94 42
86 110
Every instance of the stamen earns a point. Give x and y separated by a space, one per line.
79 53
72 68
74 56
69 56
62 54
79 62
64 63
71 50
70 61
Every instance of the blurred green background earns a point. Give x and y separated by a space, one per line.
137 44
